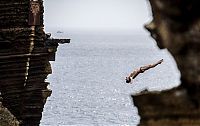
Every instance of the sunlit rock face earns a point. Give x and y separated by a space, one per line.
175 26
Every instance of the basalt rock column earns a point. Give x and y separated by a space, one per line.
24 60
175 26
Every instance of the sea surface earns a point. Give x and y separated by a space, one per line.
88 80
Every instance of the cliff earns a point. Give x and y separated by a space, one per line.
175 26
24 61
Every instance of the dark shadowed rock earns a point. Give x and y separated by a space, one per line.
175 26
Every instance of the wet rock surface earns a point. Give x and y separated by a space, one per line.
175 26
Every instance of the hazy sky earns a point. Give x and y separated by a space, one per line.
96 14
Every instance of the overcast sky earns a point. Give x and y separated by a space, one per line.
96 14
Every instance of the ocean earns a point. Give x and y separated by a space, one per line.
88 80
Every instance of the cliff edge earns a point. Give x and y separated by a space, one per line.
24 61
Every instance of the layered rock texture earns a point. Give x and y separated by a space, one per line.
24 61
175 26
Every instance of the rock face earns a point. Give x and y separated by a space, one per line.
6 118
175 26
24 60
